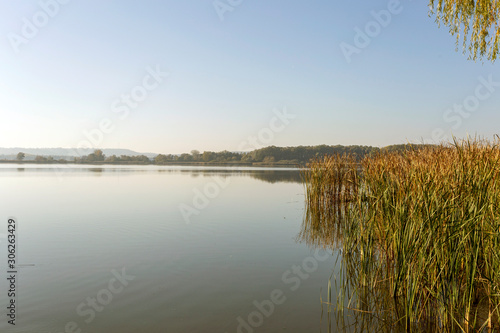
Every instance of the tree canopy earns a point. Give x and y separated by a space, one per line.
272 155
475 22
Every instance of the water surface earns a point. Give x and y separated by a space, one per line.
199 249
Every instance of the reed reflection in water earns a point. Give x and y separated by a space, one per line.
418 235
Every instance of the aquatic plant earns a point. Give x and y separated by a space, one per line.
419 232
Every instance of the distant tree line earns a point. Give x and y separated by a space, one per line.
98 157
271 155
277 155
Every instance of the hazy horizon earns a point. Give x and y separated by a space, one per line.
170 76
14 149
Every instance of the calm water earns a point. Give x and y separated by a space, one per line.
160 249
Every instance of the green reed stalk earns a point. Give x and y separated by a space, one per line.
423 224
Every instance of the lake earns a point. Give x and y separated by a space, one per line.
160 249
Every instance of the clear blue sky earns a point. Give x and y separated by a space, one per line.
226 77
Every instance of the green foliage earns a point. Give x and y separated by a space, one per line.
275 155
304 154
185 158
124 159
20 156
272 155
163 159
196 154
96 156
49 160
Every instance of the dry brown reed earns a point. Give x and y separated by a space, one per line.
422 224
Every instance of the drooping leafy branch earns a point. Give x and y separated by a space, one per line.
475 22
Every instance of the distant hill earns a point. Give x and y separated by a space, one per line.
66 153
271 155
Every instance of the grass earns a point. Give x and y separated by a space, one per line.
419 233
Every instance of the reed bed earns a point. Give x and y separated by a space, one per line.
330 183
419 232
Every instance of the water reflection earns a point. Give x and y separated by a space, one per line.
322 228
365 300
271 176
235 251
268 175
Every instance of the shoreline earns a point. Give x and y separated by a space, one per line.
243 164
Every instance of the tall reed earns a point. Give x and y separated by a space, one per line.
421 227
